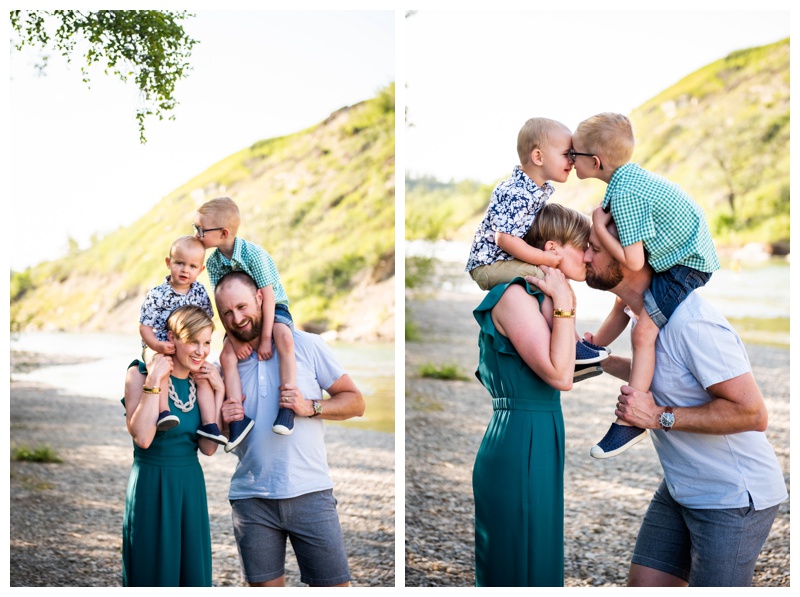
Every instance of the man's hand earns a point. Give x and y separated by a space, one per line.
233 411
638 408
292 398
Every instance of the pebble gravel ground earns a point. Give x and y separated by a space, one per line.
604 499
66 518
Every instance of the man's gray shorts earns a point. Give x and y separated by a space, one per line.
311 522
706 548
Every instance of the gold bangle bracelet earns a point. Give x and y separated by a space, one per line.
563 314
147 390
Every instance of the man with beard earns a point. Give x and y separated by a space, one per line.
281 486
713 510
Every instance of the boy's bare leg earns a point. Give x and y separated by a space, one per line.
284 346
622 435
238 430
206 402
643 361
230 373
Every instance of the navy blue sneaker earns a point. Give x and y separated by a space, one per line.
588 356
585 372
618 438
166 421
238 431
212 432
596 347
284 422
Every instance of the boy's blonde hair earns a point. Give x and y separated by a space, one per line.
224 213
609 136
534 134
559 224
185 240
188 321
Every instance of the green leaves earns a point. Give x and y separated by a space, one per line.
148 46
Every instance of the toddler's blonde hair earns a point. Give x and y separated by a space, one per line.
534 134
185 240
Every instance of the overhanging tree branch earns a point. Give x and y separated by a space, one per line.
148 46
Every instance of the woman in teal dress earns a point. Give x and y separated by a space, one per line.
527 357
166 541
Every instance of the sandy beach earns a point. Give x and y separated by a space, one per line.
604 499
66 518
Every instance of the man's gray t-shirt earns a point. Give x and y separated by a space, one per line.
696 349
278 466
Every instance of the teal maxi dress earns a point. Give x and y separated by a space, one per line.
518 478
166 540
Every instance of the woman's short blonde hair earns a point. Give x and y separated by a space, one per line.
535 134
609 136
224 213
559 224
188 321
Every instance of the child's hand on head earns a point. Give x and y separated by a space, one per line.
167 348
551 259
600 218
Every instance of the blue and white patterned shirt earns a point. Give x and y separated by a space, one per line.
162 300
249 258
514 204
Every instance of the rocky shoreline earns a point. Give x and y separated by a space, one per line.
66 518
604 499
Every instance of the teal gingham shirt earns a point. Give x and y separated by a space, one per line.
672 227
250 258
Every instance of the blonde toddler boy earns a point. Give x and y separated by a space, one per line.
185 263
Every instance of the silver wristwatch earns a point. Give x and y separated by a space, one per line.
317 407
667 419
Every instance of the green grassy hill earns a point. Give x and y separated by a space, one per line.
320 201
722 133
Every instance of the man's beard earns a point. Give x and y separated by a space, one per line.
253 332
606 281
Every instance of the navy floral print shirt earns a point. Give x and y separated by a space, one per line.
514 204
162 300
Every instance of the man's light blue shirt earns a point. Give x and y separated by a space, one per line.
697 349
278 466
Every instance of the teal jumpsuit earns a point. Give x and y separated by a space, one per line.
518 478
166 540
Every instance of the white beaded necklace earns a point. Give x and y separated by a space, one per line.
189 404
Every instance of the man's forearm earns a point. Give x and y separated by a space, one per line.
346 401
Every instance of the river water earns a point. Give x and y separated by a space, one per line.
102 374
754 296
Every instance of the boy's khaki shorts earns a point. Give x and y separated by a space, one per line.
500 272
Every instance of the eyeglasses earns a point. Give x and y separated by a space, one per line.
573 154
201 232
